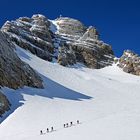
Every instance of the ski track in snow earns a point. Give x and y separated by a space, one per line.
106 101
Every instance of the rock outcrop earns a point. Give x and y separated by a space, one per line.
66 55
13 72
31 34
70 27
4 104
81 44
65 39
130 62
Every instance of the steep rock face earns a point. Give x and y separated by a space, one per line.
66 40
130 62
4 104
91 33
13 72
31 34
66 55
70 27
82 44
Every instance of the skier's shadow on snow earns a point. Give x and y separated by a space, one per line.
53 90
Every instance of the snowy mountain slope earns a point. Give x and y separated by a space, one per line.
106 101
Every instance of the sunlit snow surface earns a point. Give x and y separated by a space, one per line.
106 101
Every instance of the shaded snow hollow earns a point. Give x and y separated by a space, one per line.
106 101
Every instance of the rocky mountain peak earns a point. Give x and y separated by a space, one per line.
64 36
90 34
31 34
41 21
129 53
64 40
130 62
39 17
4 104
70 26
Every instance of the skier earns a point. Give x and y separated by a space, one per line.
51 128
64 125
47 130
41 132
67 125
78 122
71 123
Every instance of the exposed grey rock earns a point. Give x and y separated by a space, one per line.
13 72
130 62
66 39
92 56
70 27
4 104
84 43
32 34
66 55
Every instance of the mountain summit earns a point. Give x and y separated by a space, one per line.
65 40
59 80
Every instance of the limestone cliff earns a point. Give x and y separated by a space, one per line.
130 62
64 39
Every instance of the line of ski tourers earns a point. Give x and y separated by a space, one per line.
66 125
